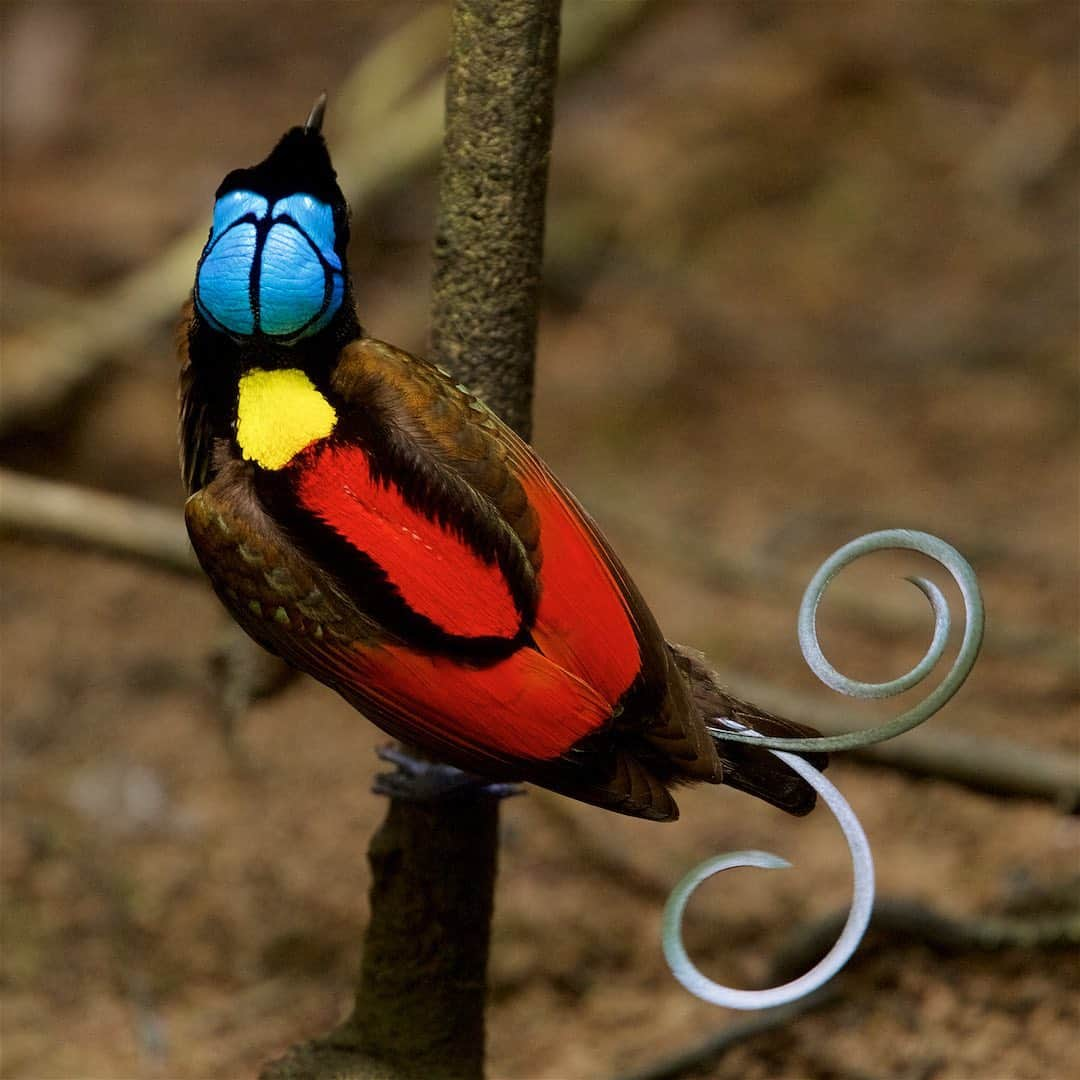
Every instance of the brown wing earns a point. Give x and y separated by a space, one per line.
521 717
590 618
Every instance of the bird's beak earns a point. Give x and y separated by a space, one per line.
315 117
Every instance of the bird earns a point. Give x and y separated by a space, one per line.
373 523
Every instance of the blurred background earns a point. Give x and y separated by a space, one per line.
811 271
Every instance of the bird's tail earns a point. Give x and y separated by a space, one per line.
749 768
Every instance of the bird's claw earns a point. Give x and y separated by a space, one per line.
415 780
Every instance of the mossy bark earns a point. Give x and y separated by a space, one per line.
489 244
419 1009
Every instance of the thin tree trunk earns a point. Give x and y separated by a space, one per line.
489 246
420 1002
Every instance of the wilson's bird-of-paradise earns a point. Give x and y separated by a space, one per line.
378 527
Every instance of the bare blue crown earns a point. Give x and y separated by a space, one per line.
270 270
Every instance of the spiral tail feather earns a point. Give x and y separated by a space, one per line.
746 767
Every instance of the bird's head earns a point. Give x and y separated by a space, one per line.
273 268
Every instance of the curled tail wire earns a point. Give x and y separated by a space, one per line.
754 736
862 906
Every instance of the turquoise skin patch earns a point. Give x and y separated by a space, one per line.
223 289
232 207
270 270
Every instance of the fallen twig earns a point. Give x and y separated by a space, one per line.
918 922
908 919
714 1046
128 527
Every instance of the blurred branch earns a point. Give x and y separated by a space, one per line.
993 765
391 113
906 919
136 530
44 365
692 1059
750 573
915 921
127 527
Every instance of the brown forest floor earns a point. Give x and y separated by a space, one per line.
812 272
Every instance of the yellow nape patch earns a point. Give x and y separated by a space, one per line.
279 413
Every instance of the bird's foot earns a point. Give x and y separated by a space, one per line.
416 780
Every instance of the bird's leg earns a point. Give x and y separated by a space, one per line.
417 780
